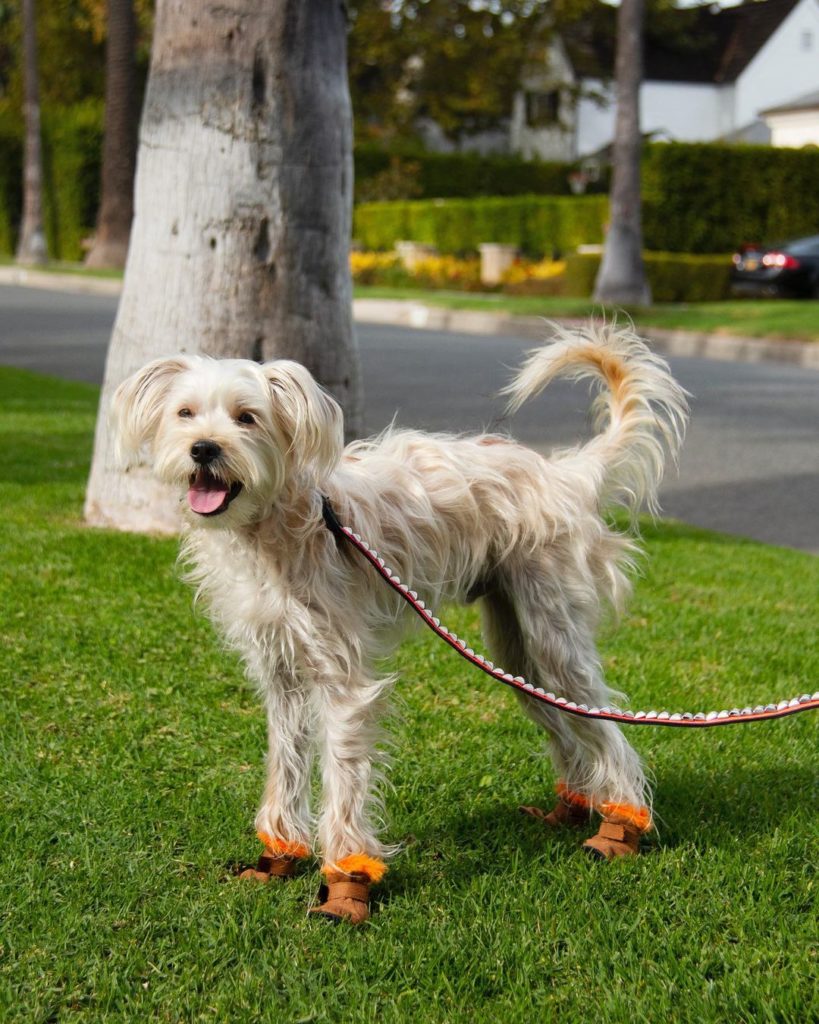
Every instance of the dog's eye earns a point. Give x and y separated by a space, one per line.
246 417
185 413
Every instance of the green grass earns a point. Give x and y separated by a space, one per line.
132 761
790 319
65 267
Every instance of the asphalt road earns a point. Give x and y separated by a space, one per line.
750 465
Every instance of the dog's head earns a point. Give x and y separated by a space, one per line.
229 433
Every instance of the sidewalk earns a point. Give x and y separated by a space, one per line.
408 313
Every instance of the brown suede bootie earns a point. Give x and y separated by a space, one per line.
344 898
562 815
613 840
269 866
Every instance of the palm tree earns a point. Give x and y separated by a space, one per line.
116 211
621 278
243 208
31 247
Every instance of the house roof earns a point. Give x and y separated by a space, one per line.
810 101
703 44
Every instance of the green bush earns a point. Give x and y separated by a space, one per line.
11 178
459 175
673 277
538 225
72 154
711 198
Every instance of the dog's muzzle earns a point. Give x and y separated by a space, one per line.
208 495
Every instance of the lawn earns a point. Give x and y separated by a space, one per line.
132 752
790 319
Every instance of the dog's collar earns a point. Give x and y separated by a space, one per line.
331 520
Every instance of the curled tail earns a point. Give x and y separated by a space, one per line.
640 413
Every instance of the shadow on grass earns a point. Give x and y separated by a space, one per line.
707 811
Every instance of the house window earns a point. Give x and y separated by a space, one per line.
807 40
542 108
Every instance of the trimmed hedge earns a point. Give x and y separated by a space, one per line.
536 224
72 155
466 175
712 198
11 178
673 277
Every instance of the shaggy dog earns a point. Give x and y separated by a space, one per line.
253 448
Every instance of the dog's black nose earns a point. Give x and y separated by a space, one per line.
203 452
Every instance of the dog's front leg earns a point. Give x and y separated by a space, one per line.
350 717
283 820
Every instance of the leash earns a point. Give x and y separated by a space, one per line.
699 719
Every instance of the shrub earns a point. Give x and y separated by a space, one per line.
386 269
537 225
711 198
540 277
11 178
413 173
72 154
673 277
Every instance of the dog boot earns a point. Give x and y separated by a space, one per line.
279 860
620 831
344 898
345 894
572 810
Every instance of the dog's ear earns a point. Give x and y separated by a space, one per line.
310 419
138 403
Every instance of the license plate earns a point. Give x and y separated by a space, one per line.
750 264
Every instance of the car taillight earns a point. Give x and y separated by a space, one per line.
782 260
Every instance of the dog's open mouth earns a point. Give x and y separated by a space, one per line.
208 495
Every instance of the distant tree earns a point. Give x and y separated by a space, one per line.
622 277
31 246
456 62
243 202
110 246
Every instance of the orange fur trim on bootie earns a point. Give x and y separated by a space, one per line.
358 864
283 847
627 814
571 796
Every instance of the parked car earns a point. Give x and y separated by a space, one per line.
790 269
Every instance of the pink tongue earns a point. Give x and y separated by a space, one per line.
204 501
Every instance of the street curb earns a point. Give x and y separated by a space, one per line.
406 313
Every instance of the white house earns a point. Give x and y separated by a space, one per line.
745 73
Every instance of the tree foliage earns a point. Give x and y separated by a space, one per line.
71 43
457 62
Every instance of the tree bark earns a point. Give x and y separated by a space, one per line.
243 207
31 246
622 278
110 246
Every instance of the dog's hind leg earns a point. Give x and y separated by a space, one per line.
534 632
283 819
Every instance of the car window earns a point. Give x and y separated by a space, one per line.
804 246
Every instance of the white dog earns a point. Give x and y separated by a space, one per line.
254 447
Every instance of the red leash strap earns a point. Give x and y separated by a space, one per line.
699 719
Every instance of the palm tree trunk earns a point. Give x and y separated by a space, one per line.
31 247
621 278
116 212
243 208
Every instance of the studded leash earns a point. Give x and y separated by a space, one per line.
699 719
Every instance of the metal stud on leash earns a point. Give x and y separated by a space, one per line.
699 719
